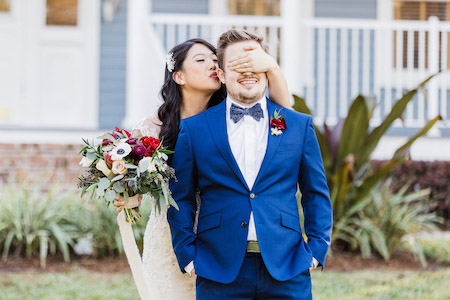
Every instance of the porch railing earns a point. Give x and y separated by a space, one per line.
344 58
177 28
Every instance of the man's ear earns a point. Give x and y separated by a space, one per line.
221 75
178 77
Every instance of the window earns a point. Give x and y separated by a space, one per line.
62 12
254 7
5 6
420 10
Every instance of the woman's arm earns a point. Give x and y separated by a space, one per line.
257 60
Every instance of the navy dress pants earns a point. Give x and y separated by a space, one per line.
255 282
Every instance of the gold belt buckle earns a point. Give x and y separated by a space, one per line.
253 247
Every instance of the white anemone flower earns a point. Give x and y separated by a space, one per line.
86 162
120 151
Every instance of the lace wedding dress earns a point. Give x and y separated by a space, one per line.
163 277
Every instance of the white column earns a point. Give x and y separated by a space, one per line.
385 10
145 64
433 64
217 8
293 60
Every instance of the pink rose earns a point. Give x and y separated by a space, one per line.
118 167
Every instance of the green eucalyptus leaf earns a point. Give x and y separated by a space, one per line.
130 166
118 177
91 155
118 187
100 192
110 195
103 183
107 136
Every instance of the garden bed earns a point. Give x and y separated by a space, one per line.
336 261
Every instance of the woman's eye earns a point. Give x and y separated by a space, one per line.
215 60
200 60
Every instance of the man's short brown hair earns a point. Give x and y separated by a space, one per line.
233 36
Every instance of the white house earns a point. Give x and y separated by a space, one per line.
74 68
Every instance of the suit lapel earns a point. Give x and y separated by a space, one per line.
216 118
272 142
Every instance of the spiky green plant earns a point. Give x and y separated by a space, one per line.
385 221
100 221
36 221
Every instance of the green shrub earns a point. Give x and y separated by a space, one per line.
435 249
100 222
433 175
33 221
37 222
384 221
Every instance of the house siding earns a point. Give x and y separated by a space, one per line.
359 9
112 85
180 6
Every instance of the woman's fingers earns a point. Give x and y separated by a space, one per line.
255 60
241 59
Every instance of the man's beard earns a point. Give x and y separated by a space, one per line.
246 99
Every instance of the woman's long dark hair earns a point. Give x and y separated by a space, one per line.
169 111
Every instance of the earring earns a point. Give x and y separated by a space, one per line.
181 82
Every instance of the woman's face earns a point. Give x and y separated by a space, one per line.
199 70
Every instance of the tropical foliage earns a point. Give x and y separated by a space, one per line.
346 149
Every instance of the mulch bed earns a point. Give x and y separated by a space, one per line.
336 261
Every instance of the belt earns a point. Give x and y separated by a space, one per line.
253 247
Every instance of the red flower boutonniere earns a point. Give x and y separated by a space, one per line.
278 122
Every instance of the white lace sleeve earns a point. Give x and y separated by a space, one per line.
149 126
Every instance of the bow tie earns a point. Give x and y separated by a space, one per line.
236 112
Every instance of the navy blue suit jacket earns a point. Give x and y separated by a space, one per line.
203 160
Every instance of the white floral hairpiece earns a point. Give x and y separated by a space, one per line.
170 61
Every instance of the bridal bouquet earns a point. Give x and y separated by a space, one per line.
121 165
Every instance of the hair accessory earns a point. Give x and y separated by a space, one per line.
170 61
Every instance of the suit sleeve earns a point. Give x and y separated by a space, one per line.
315 196
183 191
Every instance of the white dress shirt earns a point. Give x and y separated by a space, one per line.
248 142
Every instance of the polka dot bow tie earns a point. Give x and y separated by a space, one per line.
237 113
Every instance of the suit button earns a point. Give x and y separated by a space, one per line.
252 196
244 224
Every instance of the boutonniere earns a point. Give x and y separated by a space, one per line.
278 122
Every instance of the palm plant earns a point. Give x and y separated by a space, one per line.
347 147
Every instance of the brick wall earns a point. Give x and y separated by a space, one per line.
37 162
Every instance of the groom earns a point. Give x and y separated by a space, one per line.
249 243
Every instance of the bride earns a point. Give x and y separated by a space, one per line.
190 86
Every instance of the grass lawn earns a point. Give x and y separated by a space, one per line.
379 284
367 284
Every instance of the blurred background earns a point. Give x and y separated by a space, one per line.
72 69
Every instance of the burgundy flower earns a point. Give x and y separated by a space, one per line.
131 141
139 149
279 123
